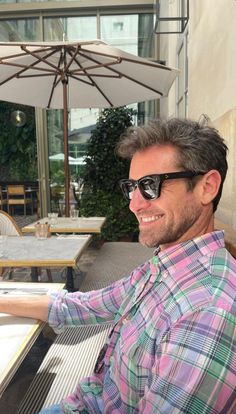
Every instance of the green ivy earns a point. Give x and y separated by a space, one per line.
18 159
102 195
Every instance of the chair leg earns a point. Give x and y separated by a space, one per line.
10 273
49 275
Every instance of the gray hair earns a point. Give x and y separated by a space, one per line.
200 147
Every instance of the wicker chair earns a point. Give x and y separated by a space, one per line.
9 227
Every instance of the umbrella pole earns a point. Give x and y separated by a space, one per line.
66 149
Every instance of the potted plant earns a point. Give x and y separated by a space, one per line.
102 195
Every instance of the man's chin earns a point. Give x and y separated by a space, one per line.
147 241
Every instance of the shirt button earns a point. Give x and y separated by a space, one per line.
93 386
165 274
127 319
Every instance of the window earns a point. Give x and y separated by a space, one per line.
72 28
130 32
16 30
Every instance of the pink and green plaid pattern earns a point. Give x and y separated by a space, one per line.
173 346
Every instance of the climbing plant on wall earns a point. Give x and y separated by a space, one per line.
18 149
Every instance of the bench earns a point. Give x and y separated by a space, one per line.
74 352
71 357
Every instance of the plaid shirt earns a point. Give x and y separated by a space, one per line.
173 346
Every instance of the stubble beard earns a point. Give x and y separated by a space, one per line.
171 231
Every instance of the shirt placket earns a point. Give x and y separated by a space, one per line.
106 352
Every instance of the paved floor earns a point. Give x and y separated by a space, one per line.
21 381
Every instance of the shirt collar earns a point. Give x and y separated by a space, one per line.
184 253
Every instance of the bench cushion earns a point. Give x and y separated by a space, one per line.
72 357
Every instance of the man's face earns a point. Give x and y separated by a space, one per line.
176 215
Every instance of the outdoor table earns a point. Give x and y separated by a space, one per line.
17 334
69 225
51 252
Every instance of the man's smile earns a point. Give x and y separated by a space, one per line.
149 219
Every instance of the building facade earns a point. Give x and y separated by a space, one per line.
205 52
198 37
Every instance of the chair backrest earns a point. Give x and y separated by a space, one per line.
15 190
8 226
2 199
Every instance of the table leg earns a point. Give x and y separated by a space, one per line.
34 274
69 279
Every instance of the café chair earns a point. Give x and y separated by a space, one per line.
16 196
8 227
3 200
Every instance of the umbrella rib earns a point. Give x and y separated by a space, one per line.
155 65
62 78
123 75
91 74
55 82
93 83
137 82
32 66
25 68
37 76
42 59
72 57
23 47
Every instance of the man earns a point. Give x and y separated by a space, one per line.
172 348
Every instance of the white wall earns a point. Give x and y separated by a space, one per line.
212 57
211 78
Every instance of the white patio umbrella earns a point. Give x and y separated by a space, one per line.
84 74
61 157
78 161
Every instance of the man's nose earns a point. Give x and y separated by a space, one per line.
138 201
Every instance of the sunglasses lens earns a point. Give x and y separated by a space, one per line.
149 188
128 188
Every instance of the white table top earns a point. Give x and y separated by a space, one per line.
69 225
23 251
18 334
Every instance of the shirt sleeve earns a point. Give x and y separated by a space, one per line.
79 308
195 367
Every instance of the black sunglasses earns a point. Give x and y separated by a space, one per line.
150 185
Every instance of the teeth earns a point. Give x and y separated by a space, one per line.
149 219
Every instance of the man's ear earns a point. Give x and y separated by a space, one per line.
209 186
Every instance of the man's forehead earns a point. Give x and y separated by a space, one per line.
153 160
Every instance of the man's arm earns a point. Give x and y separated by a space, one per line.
32 307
